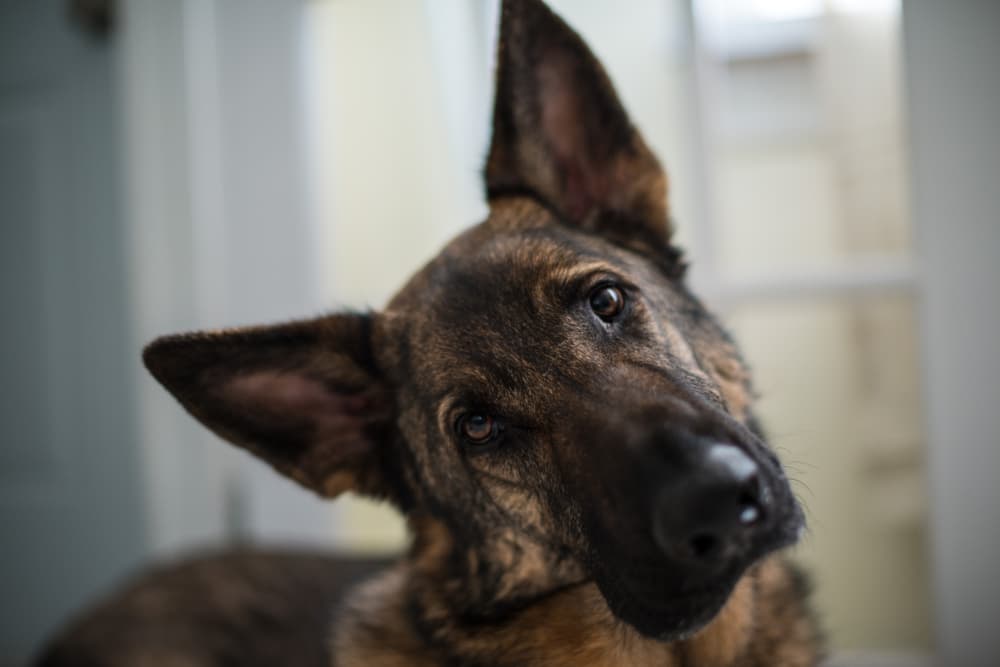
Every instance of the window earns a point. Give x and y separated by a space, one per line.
806 243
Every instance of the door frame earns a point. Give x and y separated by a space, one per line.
221 233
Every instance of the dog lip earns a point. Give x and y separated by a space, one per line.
672 617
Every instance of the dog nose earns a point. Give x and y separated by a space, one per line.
707 516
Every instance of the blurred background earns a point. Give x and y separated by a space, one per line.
167 166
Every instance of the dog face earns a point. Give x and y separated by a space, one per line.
545 399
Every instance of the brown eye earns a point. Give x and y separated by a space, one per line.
607 302
477 429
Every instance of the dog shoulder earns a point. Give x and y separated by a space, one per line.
373 626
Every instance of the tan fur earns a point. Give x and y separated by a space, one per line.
731 376
570 628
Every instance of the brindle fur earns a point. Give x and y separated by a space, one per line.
537 551
239 608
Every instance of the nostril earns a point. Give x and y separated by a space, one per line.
704 545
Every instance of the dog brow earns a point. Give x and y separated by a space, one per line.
565 280
579 272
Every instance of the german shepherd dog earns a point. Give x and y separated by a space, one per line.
567 430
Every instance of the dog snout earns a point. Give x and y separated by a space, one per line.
707 515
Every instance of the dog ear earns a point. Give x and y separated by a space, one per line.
561 134
305 397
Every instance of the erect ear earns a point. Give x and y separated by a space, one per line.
306 397
561 134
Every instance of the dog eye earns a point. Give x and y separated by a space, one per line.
477 429
607 302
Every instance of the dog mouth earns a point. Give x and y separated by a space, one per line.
670 602
662 607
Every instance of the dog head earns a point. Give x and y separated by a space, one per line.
545 392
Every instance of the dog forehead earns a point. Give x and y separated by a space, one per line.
499 287
503 278
494 301
499 262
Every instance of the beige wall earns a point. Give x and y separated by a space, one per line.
807 175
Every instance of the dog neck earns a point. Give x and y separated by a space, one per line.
487 577
407 617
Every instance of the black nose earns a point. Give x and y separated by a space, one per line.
708 515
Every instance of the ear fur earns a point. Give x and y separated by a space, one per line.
305 397
561 134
